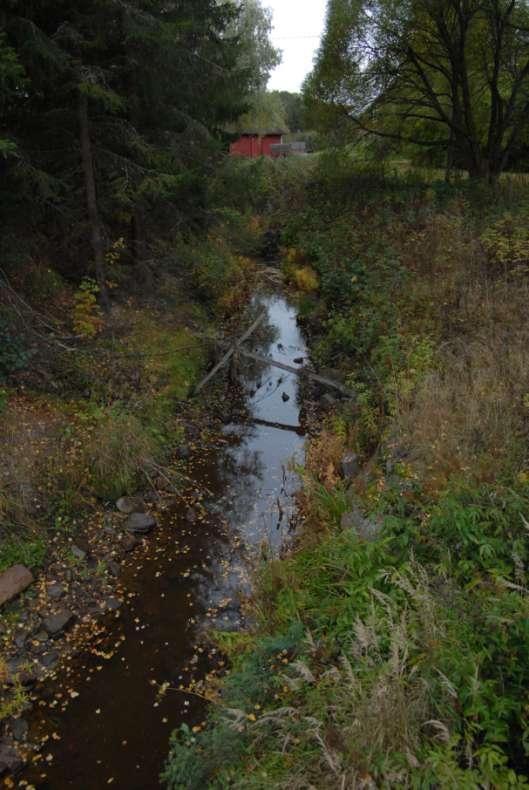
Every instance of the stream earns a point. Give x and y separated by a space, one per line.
107 720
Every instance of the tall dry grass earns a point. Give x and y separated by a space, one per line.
29 431
470 414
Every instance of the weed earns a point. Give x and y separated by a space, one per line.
118 450
13 353
14 698
29 551
87 317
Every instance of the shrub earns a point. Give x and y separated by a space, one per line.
87 317
118 451
222 279
507 243
29 550
372 665
14 354
14 698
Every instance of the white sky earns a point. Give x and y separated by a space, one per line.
295 22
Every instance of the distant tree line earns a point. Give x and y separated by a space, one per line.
273 110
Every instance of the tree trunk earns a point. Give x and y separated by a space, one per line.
140 248
91 200
450 158
484 169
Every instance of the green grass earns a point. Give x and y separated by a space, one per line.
122 441
19 551
361 645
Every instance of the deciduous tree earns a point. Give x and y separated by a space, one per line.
437 73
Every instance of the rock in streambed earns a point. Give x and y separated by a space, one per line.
13 581
140 523
130 504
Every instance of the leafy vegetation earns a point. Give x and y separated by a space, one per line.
115 121
394 660
449 79
112 116
28 552
390 647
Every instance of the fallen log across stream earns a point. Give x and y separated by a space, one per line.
228 355
235 348
299 372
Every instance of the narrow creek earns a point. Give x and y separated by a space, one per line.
107 719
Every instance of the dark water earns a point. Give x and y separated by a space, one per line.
121 696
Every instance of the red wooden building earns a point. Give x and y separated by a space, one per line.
255 144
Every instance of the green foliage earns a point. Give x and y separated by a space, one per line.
403 657
158 86
119 449
87 317
111 100
251 28
477 535
13 352
507 244
7 147
15 702
29 551
267 113
443 99
398 657
11 73
294 110
331 504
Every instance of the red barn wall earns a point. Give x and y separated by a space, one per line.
268 141
244 146
253 146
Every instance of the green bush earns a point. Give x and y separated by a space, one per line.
29 551
14 354
116 453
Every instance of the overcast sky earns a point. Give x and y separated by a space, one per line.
295 23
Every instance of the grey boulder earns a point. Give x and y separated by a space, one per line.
13 581
49 659
55 624
130 504
55 591
130 542
19 729
78 553
350 465
113 604
9 759
140 523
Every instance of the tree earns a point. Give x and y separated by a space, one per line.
258 56
267 113
294 110
451 74
113 114
11 81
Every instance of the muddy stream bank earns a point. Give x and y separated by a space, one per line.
107 719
